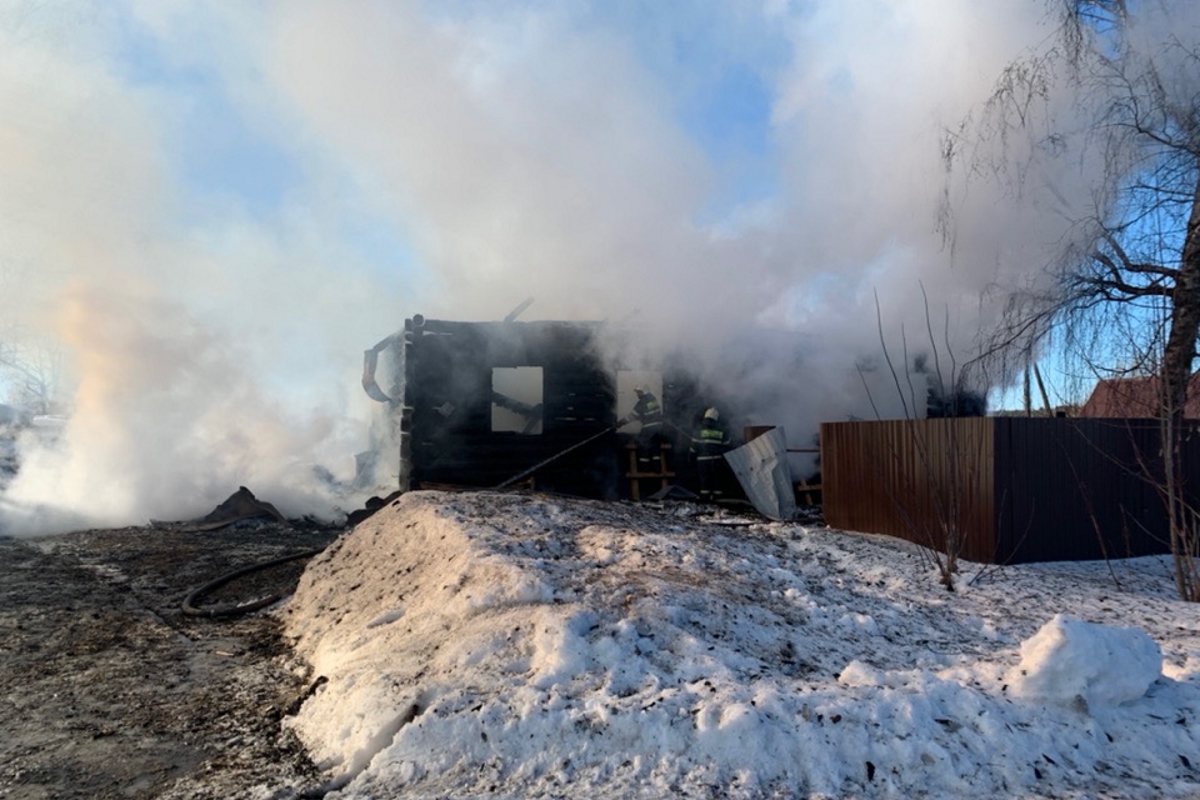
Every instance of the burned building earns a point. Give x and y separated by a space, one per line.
482 403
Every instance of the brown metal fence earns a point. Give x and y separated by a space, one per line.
1013 488
920 480
1080 489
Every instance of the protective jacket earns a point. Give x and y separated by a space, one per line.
709 442
648 412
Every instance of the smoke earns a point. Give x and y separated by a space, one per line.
540 154
155 388
539 151
214 208
203 346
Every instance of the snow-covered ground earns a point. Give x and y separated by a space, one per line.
490 645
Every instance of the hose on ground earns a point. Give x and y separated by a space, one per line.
192 610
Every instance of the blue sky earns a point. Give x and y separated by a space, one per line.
720 87
722 98
216 153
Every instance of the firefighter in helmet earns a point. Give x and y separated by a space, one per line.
710 442
648 412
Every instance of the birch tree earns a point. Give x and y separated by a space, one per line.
1115 91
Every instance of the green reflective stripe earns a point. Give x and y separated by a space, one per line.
713 434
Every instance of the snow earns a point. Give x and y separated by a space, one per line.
1069 660
519 646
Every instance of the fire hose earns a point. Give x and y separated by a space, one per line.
555 457
192 610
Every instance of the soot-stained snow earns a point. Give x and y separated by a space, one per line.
465 645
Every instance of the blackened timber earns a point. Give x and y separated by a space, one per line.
449 371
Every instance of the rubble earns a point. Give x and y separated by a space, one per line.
241 505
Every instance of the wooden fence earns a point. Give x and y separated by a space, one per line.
1014 489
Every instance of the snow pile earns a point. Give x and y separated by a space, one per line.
1072 660
508 646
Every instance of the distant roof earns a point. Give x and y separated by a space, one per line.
1135 397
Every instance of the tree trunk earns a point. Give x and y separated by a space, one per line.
1173 388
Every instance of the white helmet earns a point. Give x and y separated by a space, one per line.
712 413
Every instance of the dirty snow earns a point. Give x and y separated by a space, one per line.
467 645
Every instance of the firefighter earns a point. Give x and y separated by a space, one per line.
648 412
710 442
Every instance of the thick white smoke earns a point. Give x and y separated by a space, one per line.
201 348
506 150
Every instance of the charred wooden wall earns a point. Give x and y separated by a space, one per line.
1019 489
447 416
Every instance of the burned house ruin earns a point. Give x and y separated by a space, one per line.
477 404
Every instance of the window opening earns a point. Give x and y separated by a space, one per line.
517 400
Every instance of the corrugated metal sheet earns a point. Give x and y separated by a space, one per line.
761 467
1016 489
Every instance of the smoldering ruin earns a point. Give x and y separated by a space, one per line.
545 405
491 404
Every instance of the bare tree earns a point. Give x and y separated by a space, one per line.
31 363
928 469
32 372
1129 279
